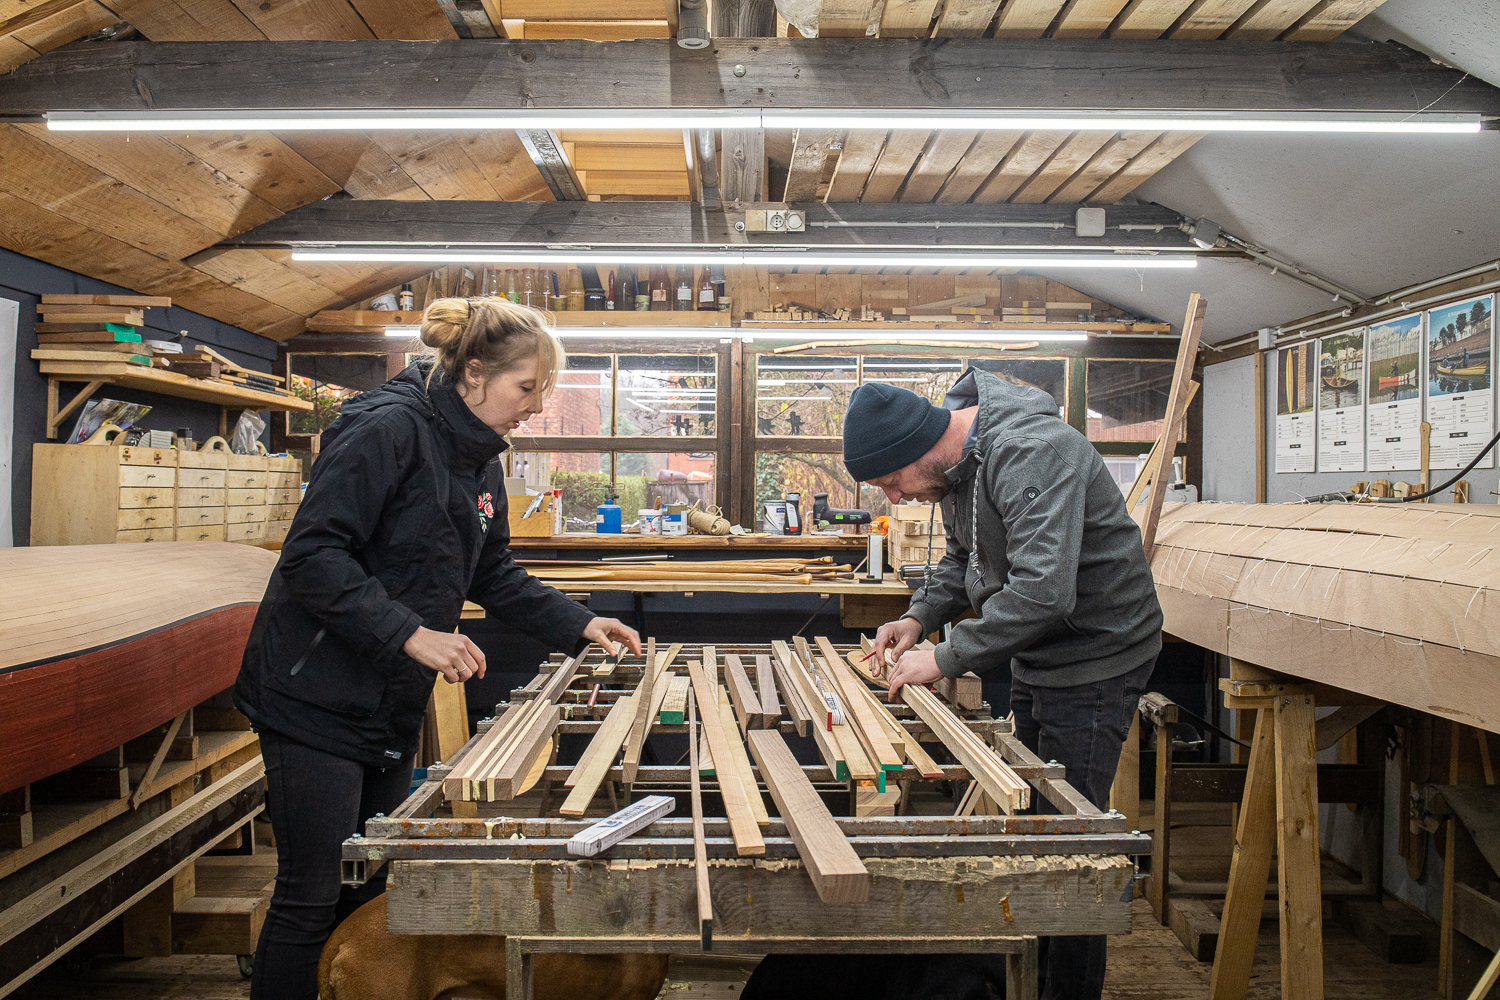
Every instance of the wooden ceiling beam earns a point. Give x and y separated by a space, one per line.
1061 74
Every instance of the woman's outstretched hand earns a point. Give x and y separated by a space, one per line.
603 630
449 653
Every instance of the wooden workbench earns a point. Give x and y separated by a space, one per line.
691 543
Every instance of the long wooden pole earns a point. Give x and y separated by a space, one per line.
700 848
1187 351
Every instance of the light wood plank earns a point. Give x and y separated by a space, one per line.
1145 164
628 182
67 22
357 163
700 846
647 705
871 733
1330 19
1025 159
1067 161
809 151
835 870
739 760
1087 18
438 164
965 18
937 161
907 18
262 164
742 825
746 705
1297 870
1209 18
14 52
595 763
901 151
1148 18
409 20
1106 163
1267 19
987 153
187 20
535 10
295 20
1249 867
765 683
512 775
646 137
1002 784
862 148
631 156
1177 403
847 18
1026 18
598 31
253 272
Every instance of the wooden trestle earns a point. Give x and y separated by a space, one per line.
823 879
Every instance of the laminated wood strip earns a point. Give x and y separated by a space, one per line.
456 783
746 704
742 824
739 760
511 775
857 712
835 870
479 774
800 713
594 765
1002 784
765 682
644 706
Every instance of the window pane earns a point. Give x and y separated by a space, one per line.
667 395
803 397
676 477
326 380
1123 469
1128 399
579 406
779 473
1047 374
929 377
583 477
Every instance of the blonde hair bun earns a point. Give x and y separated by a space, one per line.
444 321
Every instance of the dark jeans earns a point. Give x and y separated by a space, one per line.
316 801
1083 728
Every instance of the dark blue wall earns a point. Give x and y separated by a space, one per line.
24 280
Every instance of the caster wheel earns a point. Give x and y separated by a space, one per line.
77 964
246 963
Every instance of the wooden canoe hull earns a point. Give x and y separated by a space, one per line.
62 712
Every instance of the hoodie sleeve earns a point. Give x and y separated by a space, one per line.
351 485
1041 503
510 594
943 597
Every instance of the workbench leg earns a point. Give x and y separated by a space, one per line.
1249 867
1299 880
518 969
1022 973
1158 888
1125 793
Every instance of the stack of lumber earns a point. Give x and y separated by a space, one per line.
909 535
234 374
511 756
804 571
1388 600
94 328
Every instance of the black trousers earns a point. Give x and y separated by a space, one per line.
1083 728
316 801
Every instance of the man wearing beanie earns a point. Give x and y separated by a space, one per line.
1041 548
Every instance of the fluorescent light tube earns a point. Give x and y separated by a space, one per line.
771 258
834 332
823 118
403 331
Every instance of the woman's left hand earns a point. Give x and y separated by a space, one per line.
602 630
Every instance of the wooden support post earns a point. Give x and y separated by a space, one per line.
1158 888
139 795
1249 867
1298 878
1023 972
1177 400
16 829
1125 793
56 416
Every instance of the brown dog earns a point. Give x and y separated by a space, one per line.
364 961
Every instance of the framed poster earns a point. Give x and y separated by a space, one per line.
1296 415
1460 394
1341 403
1393 399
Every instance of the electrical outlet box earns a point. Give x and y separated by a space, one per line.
1089 221
775 220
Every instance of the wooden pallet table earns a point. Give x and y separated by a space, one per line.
808 873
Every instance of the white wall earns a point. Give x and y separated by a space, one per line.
1229 431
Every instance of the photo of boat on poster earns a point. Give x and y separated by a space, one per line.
1459 345
1395 351
1341 370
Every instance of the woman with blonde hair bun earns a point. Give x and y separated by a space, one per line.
403 520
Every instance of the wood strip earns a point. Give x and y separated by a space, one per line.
1157 155
403 19
1087 18
847 18
809 150
646 703
1026 18
700 847
907 18
1106 163
674 705
742 825
1025 158
510 777
332 19
139 795
187 20
598 31
937 161
861 150
1267 19
1330 19
872 735
835 870
1002 784
357 162
765 682
1148 18
1177 400
965 18
795 682
261 163
800 713
594 765
1209 18
742 694
459 784
66 22
901 151
481 772
1063 164
982 159
739 760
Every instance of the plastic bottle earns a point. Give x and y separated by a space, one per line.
407 301
608 520
531 290
610 289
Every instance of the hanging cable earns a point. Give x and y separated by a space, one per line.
1345 496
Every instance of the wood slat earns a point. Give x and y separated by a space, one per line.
357 163
632 156
809 151
1148 18
907 18
438 164
574 10
1087 18
598 31
1026 18
187 20
1148 162
1267 19
67 21
742 825
502 159
261 163
1025 158
14 52
641 183
861 150
937 161
965 18
293 20
257 274
1117 152
988 151
896 160
1209 18
1330 19
649 137
405 19
847 18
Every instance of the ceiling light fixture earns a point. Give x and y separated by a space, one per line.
1116 122
405 119
754 258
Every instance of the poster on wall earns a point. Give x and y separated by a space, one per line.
1393 399
1460 395
1296 414
1341 403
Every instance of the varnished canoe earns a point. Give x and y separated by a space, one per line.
101 643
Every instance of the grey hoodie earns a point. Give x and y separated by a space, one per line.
1040 546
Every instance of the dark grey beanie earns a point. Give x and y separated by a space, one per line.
888 428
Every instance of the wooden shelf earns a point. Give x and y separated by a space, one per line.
373 322
678 543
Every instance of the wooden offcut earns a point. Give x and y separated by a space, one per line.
742 823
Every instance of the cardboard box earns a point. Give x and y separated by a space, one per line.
547 521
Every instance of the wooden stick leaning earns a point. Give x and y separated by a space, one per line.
800 712
139 795
835 870
742 823
1187 351
1148 470
872 735
700 848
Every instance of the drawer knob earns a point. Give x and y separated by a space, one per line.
151 497
150 519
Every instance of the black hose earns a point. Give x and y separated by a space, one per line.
1344 495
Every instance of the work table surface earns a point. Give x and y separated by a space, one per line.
695 543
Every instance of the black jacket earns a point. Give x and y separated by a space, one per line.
404 518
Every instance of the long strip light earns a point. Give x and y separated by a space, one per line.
754 258
615 119
828 330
